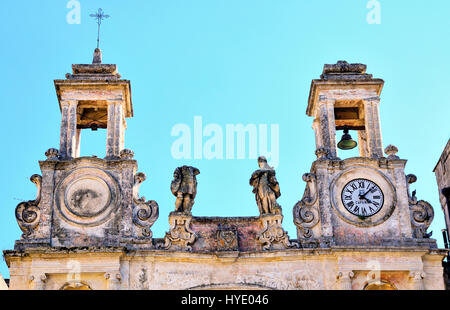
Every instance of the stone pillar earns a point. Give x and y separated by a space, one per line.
77 143
316 127
69 139
373 128
37 281
362 142
416 278
327 128
113 281
345 279
116 128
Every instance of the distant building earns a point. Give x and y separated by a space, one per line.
442 171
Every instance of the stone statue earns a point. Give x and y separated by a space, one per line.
184 187
266 188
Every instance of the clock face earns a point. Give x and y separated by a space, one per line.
362 197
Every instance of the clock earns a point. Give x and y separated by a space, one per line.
362 197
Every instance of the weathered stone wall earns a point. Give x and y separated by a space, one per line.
442 171
296 269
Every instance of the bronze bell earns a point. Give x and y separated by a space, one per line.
347 143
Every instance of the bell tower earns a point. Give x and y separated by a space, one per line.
346 97
363 200
93 97
89 201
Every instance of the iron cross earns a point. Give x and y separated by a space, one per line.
99 16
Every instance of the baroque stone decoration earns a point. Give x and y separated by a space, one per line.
180 236
28 213
227 239
358 225
306 213
145 213
422 213
184 187
266 188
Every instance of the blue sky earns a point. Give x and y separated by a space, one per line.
230 62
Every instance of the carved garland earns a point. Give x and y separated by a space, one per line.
28 214
306 215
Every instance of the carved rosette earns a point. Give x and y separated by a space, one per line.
306 214
273 236
28 214
421 212
145 213
180 236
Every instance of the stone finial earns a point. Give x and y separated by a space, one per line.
391 150
126 154
97 56
322 153
52 154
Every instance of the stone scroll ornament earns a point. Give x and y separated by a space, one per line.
306 214
273 236
145 213
28 213
422 213
184 188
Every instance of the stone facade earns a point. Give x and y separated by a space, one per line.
442 171
88 228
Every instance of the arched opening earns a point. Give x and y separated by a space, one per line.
76 286
380 286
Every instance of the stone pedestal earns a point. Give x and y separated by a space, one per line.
180 236
273 236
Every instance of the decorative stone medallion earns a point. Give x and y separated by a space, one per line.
87 196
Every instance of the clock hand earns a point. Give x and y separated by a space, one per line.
364 196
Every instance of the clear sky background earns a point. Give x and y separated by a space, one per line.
230 62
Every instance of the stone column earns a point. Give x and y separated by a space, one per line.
113 281
316 127
362 142
69 143
416 278
38 281
373 128
345 279
327 128
115 127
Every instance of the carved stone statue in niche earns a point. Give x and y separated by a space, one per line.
266 188
184 187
